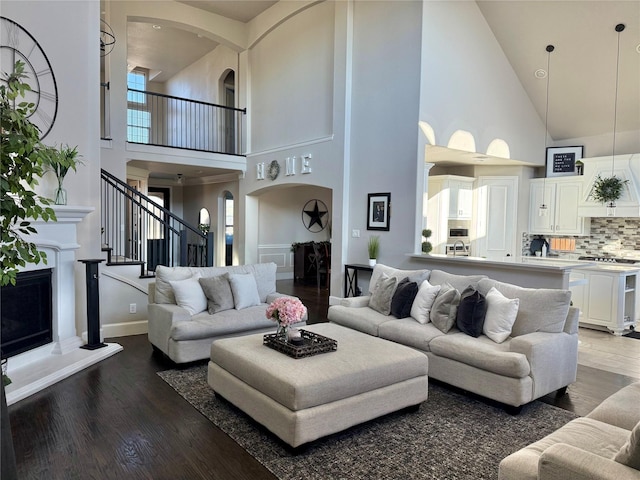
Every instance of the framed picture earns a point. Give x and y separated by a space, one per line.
561 161
379 211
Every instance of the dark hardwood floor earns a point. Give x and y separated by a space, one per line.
119 420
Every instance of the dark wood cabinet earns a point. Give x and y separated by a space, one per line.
305 264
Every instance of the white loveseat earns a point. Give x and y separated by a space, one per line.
189 307
605 445
539 354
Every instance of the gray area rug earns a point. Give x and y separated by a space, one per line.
452 436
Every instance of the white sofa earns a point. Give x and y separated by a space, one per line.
604 445
539 355
184 320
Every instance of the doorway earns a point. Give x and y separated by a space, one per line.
158 234
228 212
228 123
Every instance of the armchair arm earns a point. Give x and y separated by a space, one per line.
553 358
562 461
355 302
571 324
162 318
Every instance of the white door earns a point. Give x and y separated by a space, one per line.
495 235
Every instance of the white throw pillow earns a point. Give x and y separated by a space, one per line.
421 308
629 454
501 315
189 294
244 289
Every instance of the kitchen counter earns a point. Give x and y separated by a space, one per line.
533 272
608 267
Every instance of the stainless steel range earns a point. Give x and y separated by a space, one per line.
625 261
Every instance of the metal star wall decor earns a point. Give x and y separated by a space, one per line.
315 215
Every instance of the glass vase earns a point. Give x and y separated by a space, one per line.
281 333
60 197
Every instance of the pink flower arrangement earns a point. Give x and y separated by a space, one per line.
286 311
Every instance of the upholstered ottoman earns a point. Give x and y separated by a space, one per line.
301 400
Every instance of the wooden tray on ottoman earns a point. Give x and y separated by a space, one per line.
313 345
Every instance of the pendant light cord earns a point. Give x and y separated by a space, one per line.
549 49
619 28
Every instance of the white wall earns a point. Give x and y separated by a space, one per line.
291 80
201 80
309 122
386 86
468 84
72 48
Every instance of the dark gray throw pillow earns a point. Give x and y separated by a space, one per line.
471 312
403 298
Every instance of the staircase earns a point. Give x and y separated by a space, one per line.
138 231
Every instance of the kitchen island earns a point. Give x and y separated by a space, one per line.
532 272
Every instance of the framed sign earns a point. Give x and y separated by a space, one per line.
379 211
561 161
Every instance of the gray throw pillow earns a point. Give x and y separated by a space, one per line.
459 282
445 308
218 293
539 310
382 294
629 454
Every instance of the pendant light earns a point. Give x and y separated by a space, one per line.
611 206
543 209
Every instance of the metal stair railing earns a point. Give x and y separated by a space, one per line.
138 231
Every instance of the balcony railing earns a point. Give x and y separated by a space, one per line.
168 121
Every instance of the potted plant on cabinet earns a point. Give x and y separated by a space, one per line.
608 190
373 246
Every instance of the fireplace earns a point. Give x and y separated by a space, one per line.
58 354
26 315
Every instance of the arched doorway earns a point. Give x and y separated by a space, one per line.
228 97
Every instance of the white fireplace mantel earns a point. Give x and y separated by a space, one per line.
38 368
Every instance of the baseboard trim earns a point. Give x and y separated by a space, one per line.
114 330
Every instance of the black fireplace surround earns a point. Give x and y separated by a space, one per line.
26 313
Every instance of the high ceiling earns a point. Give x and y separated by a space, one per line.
582 72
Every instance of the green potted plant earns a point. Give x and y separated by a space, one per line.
373 247
60 161
426 245
607 190
22 163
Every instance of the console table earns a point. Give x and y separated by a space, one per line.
351 277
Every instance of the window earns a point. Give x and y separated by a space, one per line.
228 228
138 118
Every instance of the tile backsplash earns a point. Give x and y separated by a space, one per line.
616 237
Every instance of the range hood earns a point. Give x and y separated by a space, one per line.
625 167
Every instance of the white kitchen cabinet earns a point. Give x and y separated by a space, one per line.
456 195
609 299
561 196
450 198
460 199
